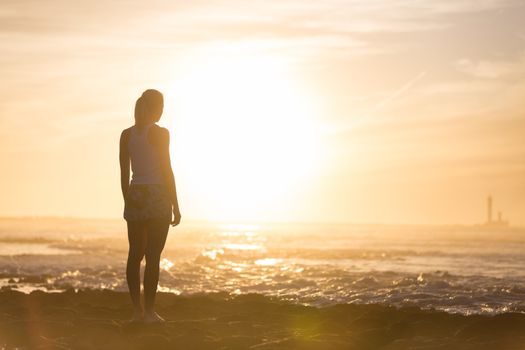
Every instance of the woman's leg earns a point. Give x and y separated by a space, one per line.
157 233
137 248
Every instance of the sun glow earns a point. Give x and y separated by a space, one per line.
246 136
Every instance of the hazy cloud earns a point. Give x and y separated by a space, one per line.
492 69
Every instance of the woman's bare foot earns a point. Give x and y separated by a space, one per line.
138 316
153 317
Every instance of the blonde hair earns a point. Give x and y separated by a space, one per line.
149 107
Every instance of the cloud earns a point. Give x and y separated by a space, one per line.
401 90
492 69
201 20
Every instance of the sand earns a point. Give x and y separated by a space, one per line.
96 319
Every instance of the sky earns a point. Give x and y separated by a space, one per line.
398 111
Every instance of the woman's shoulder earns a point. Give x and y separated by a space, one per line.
159 131
126 132
158 134
124 135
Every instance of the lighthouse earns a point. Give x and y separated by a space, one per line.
500 222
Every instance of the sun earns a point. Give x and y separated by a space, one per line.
246 139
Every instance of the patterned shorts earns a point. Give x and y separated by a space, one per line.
147 201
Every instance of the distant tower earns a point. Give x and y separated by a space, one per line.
489 209
500 218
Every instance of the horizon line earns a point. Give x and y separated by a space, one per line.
254 222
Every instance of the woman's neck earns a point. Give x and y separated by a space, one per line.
142 126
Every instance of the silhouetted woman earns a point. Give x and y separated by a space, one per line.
150 199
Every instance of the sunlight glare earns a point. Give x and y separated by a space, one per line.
246 133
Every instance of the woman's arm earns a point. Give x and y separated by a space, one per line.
124 163
167 171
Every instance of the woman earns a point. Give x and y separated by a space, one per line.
150 199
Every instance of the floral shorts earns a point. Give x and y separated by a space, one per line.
147 201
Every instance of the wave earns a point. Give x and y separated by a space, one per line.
446 270
312 285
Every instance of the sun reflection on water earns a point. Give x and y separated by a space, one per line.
168 290
267 262
212 253
241 227
247 234
166 264
243 246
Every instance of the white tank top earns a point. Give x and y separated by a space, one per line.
145 162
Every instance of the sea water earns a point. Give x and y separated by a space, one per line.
458 269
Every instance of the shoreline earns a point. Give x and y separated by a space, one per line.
97 319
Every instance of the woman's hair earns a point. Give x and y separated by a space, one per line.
149 107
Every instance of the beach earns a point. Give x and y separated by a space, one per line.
97 319
62 286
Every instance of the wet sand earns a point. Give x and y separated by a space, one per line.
96 319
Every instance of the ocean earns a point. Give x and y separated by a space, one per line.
458 269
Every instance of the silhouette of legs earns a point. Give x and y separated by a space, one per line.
137 248
157 233
146 238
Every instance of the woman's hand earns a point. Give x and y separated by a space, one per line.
176 217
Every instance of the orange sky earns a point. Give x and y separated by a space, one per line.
357 111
